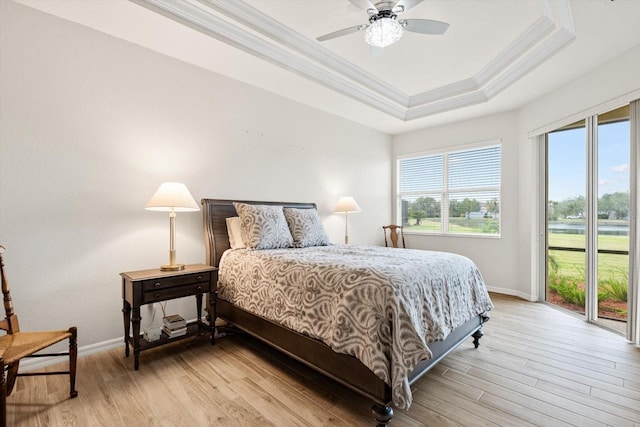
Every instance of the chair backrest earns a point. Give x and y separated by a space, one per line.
10 322
393 235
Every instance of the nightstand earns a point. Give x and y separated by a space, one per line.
149 286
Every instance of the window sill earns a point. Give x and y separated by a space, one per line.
480 236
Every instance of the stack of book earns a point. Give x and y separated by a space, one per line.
174 326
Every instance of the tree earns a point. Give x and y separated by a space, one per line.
417 214
468 205
553 210
616 203
492 206
572 207
429 205
460 209
455 209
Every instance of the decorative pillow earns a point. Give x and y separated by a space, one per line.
306 228
263 226
234 229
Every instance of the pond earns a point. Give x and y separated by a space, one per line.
604 229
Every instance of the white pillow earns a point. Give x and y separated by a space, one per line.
306 228
234 227
263 226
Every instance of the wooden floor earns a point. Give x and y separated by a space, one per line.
535 366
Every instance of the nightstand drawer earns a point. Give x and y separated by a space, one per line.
168 282
175 292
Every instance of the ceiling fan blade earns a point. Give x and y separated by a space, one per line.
342 32
365 4
424 26
403 5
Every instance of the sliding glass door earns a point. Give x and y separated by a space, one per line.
588 218
566 239
612 209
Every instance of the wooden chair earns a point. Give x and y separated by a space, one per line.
393 235
16 345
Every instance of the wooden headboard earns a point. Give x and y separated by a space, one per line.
214 215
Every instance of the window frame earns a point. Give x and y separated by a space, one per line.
444 193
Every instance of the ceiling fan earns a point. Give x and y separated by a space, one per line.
384 28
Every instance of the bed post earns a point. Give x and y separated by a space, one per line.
479 334
476 337
382 414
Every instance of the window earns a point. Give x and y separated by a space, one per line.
455 192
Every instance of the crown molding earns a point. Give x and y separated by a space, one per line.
448 104
559 40
253 18
200 20
444 92
488 83
294 52
517 49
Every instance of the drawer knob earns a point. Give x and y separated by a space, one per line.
158 295
157 285
199 278
199 288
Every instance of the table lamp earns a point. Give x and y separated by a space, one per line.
346 204
172 197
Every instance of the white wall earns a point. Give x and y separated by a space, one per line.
90 127
495 257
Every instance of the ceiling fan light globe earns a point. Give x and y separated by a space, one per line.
383 32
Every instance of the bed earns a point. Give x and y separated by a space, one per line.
364 375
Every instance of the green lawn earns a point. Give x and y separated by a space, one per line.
456 225
430 225
618 243
572 264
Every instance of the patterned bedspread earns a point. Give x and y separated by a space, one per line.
381 305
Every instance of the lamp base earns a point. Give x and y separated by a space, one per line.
172 267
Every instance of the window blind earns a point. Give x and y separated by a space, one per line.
455 192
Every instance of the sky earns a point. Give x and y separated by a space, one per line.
567 161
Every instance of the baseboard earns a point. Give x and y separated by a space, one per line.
43 362
511 292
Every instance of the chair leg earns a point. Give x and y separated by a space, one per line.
73 357
3 396
12 374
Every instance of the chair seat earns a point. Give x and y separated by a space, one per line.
14 347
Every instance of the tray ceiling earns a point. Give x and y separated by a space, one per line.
496 55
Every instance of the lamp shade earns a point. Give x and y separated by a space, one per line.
347 204
172 197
